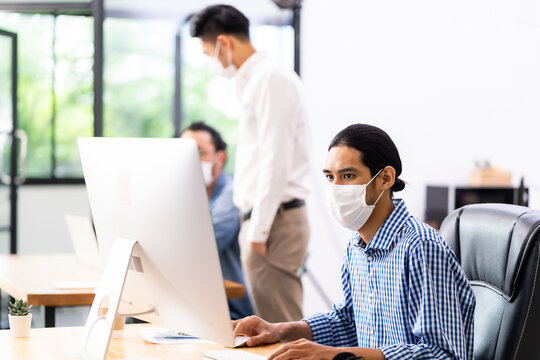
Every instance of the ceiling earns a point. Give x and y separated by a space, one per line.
256 10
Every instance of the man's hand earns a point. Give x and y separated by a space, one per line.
259 331
304 349
259 248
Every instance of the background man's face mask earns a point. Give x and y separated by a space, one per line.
207 167
227 72
348 205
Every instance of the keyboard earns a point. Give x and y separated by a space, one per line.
232 355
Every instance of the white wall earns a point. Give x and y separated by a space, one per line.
450 81
42 209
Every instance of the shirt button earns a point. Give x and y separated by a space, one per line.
372 332
370 294
369 258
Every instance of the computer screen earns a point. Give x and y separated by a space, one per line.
152 191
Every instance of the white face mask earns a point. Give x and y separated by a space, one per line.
207 171
227 72
348 205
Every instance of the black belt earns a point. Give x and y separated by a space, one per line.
295 203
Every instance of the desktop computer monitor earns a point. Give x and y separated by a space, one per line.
152 191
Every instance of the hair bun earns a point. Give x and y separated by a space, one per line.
398 185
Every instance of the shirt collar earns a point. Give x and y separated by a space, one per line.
251 62
385 236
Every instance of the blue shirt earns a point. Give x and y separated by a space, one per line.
226 227
404 293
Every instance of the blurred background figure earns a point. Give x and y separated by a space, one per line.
271 161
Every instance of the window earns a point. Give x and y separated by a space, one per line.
73 89
55 89
138 78
211 98
56 84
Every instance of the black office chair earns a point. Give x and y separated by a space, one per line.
498 246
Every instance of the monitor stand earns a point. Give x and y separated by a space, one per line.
98 328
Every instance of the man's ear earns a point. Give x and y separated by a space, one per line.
221 159
387 178
226 42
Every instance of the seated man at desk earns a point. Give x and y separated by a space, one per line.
225 216
405 294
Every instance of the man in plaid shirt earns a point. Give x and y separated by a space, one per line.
405 294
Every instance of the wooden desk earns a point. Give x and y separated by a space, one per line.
31 277
63 343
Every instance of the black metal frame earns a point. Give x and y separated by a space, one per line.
14 148
99 16
60 8
177 101
297 9
53 97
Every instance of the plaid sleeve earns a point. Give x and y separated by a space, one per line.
336 328
436 312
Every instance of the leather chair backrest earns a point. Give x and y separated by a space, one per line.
498 247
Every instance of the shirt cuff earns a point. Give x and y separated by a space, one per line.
414 351
257 233
320 329
394 352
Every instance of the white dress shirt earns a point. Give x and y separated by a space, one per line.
271 156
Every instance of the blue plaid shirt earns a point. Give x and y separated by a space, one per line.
404 293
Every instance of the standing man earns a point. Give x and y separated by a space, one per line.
271 162
224 213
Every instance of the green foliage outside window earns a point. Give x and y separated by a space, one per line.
34 95
139 78
138 84
138 87
195 82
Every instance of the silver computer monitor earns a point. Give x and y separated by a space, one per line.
152 191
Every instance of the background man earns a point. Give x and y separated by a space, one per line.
271 162
224 214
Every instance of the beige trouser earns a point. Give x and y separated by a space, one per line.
273 282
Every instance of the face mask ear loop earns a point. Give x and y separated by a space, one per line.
229 57
376 201
377 174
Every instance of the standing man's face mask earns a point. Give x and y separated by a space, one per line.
227 72
348 205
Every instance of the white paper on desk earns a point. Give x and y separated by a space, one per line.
160 335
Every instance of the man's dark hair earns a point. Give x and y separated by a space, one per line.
377 149
217 140
215 20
